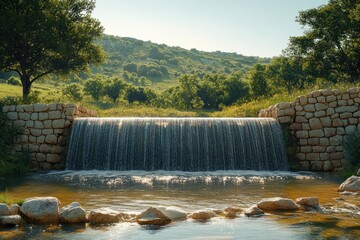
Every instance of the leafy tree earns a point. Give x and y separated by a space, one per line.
186 92
94 87
136 94
234 89
73 91
113 88
130 67
331 43
40 37
285 72
258 84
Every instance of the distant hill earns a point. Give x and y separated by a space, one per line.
144 62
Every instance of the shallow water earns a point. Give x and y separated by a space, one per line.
135 191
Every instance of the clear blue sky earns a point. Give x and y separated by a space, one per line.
249 27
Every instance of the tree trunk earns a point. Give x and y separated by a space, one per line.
26 84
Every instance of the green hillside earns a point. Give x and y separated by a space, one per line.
147 63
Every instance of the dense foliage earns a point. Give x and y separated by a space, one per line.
352 152
40 37
10 163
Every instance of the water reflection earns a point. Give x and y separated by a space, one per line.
134 192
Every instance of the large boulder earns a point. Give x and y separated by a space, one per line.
10 220
153 216
41 210
174 213
4 209
352 184
72 213
253 211
104 215
277 203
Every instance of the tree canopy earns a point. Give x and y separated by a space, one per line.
331 43
40 37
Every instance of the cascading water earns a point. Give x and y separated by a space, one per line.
176 144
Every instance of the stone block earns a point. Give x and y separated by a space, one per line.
284 119
321 99
319 114
356 114
311 100
306 149
51 139
343 109
313 156
304 165
318 133
313 141
41 107
324 142
35 132
346 115
316 166
34 116
331 149
336 156
40 139
305 126
320 106
327 92
341 103
52 107
300 156
325 121
350 102
333 104
337 163
19 123
337 122
24 116
12 115
40 157
55 114
43 116
53 158
318 149
328 166
330 98
299 108
56 149
303 100
60 123
315 123
316 93
28 108
345 96
350 129
353 121
309 108
295 127
47 131
47 124
336 140
353 90
309 115
38 125
340 131
32 139
44 148
302 134
303 142
29 124
12 108
324 156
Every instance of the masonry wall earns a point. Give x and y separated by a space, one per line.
318 123
45 128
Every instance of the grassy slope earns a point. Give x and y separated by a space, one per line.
251 109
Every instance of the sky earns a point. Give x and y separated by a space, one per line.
249 27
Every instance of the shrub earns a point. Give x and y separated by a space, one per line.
14 81
352 153
73 91
10 163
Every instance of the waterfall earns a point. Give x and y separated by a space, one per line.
176 144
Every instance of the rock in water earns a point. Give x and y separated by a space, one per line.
153 216
72 213
4 209
277 203
174 213
253 211
41 210
358 172
352 184
10 220
308 201
203 216
104 215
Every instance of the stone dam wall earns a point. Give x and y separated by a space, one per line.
317 124
45 128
